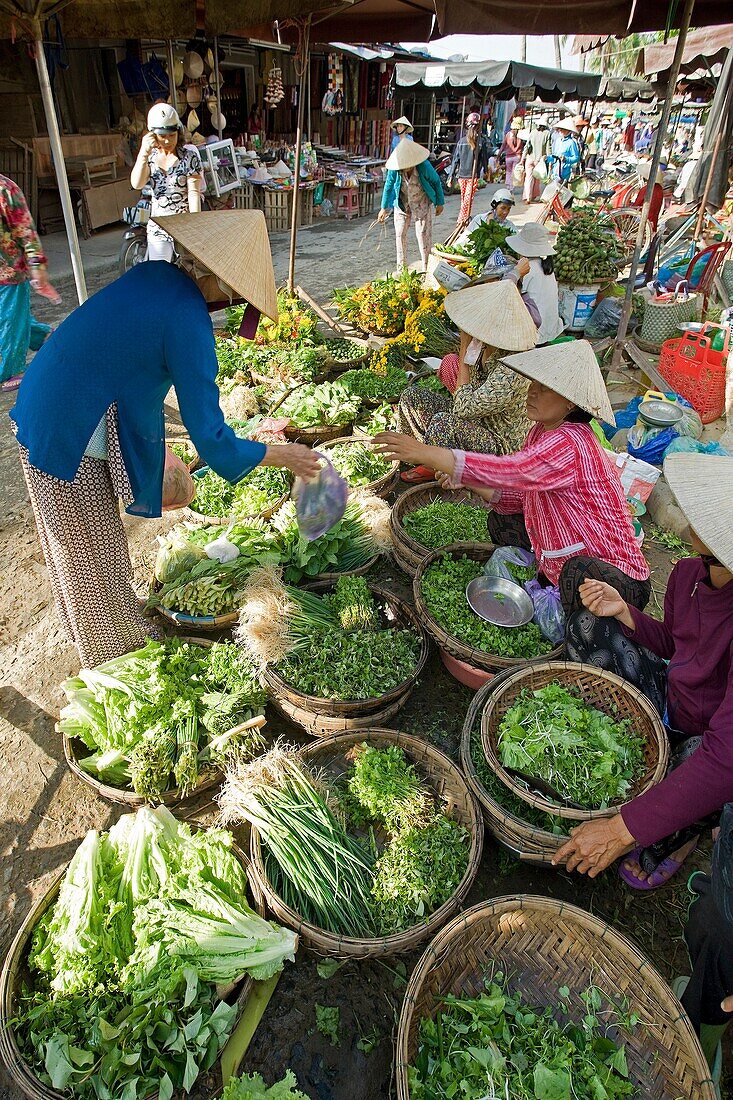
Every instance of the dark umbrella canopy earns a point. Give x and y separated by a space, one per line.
582 17
720 121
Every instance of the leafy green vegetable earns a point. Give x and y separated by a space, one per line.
444 521
346 546
363 665
418 871
381 419
487 237
147 918
358 462
444 591
586 756
495 1045
327 1022
140 712
255 493
328 404
353 604
387 786
184 451
496 790
252 1087
369 385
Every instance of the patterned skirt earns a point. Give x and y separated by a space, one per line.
86 552
428 416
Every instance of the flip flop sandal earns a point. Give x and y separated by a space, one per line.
12 383
417 475
666 870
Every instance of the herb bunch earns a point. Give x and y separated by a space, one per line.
444 521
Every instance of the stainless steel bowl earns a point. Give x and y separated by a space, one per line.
500 602
660 414
691 326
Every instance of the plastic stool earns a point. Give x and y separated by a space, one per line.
347 203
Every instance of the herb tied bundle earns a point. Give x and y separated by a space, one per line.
586 756
444 592
496 1046
444 521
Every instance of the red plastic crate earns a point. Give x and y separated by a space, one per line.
694 370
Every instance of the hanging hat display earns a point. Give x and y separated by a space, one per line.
193 65
178 73
218 120
193 95
193 121
274 92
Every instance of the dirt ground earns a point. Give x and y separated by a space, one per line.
46 811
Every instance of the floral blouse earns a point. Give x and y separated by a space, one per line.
170 187
497 396
19 242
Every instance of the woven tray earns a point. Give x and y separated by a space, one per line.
15 973
320 433
338 366
603 690
194 622
478 658
323 725
332 755
331 578
407 552
381 486
543 944
527 842
401 614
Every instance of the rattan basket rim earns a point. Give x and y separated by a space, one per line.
326 725
19 1072
192 622
333 944
332 578
477 658
381 484
317 433
354 707
559 667
664 1001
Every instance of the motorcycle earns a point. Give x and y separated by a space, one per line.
134 247
441 160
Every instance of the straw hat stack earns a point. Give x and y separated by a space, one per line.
234 246
408 154
703 485
495 314
570 369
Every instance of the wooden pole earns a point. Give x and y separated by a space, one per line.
298 145
57 154
623 327
218 88
171 77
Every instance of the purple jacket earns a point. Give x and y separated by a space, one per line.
696 637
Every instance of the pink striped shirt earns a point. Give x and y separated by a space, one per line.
571 498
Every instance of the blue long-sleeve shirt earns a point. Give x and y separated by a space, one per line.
145 332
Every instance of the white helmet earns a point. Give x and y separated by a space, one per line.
163 119
502 195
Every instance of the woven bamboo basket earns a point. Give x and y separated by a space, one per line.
477 658
194 622
15 974
407 552
600 689
319 433
323 725
331 578
222 521
542 945
381 486
333 756
338 366
527 842
399 614
210 777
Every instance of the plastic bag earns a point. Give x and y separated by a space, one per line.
685 445
650 444
548 610
604 320
496 566
178 485
320 503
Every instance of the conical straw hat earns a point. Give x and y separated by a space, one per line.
495 314
532 240
570 369
403 121
408 154
703 485
234 246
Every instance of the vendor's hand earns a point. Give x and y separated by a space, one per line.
382 216
603 600
148 143
439 210
594 845
446 481
727 1004
40 277
402 448
301 460
522 267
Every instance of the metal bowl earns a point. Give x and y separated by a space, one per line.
500 602
660 414
691 326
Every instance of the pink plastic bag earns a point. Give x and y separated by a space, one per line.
178 485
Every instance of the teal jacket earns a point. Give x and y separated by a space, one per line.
429 179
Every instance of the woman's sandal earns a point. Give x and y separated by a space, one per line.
666 870
417 475
11 383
